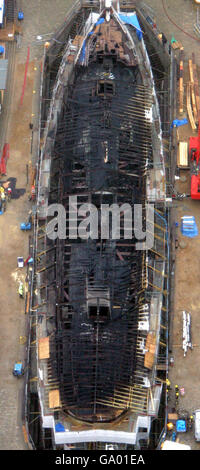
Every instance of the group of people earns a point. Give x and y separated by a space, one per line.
5 194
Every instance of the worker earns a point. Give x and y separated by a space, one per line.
190 421
20 15
21 290
168 383
33 192
3 200
164 40
177 397
9 192
170 426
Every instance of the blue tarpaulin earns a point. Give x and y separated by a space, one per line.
133 21
189 226
20 15
18 367
82 56
181 425
179 122
100 21
59 427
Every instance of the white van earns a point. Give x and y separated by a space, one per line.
197 425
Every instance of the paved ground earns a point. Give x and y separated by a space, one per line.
41 17
177 18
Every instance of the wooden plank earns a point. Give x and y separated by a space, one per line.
28 302
54 399
182 156
181 86
148 360
189 108
43 348
194 108
25 434
151 349
172 416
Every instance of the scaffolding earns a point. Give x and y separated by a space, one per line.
100 305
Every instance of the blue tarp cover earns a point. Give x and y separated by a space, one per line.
20 15
59 427
181 425
18 367
179 122
133 21
189 226
100 21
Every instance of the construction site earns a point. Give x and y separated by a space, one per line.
100 107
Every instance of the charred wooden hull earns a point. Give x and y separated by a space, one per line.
100 290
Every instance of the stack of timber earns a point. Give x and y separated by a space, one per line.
194 108
182 157
196 86
193 100
189 107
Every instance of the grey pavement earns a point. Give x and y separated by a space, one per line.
177 18
41 17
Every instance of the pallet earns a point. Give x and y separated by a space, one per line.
182 157
176 45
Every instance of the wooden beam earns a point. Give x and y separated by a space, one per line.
194 108
189 109
43 348
54 399
181 86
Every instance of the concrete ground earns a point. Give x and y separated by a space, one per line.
41 18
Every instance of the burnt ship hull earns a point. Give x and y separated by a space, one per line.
100 286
